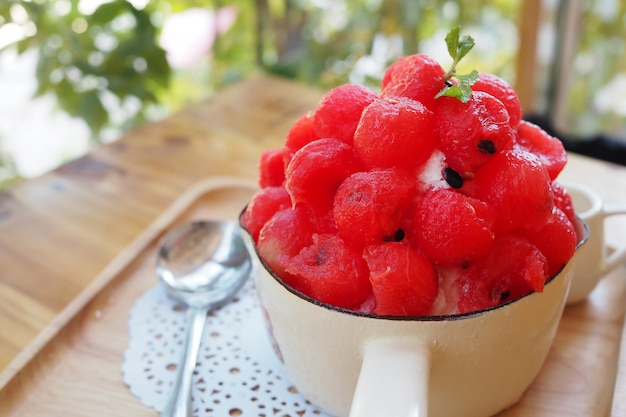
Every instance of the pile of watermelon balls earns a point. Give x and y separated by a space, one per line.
402 204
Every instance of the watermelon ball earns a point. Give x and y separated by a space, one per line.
418 77
549 149
500 89
517 185
317 169
469 134
332 272
338 113
370 207
512 268
301 133
404 281
563 200
282 237
395 132
264 204
556 241
451 228
271 168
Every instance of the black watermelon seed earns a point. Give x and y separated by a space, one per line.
504 295
453 178
449 83
396 237
486 146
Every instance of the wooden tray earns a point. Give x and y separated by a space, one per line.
74 367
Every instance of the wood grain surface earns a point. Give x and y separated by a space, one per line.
59 233
76 369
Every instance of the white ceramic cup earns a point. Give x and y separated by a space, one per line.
595 260
360 365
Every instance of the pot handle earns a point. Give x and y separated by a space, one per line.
393 381
619 255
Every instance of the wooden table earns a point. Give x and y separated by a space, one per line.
59 231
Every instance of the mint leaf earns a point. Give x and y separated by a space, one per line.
458 48
463 47
468 80
452 41
451 91
462 91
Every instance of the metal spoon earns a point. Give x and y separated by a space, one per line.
202 264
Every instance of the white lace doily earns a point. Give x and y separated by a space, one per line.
237 373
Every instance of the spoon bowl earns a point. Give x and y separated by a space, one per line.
201 262
202 265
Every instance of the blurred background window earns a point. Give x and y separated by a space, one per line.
77 73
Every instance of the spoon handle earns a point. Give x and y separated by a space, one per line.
179 403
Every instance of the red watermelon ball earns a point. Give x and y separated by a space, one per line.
470 134
338 113
556 240
512 268
264 204
331 271
517 185
418 77
548 149
301 133
404 281
451 228
370 206
316 171
282 237
395 132
563 200
500 89
271 168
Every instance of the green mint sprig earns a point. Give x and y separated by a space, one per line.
457 48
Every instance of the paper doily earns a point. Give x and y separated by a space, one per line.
237 373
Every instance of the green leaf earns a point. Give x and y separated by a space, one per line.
143 21
458 48
106 12
462 91
45 65
44 86
86 68
23 45
69 100
92 111
143 94
452 41
450 91
468 79
464 46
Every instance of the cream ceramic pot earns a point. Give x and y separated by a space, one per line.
358 365
594 260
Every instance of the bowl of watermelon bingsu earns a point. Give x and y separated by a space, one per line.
415 247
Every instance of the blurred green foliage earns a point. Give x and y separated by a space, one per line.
325 43
106 67
82 59
596 100
94 63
